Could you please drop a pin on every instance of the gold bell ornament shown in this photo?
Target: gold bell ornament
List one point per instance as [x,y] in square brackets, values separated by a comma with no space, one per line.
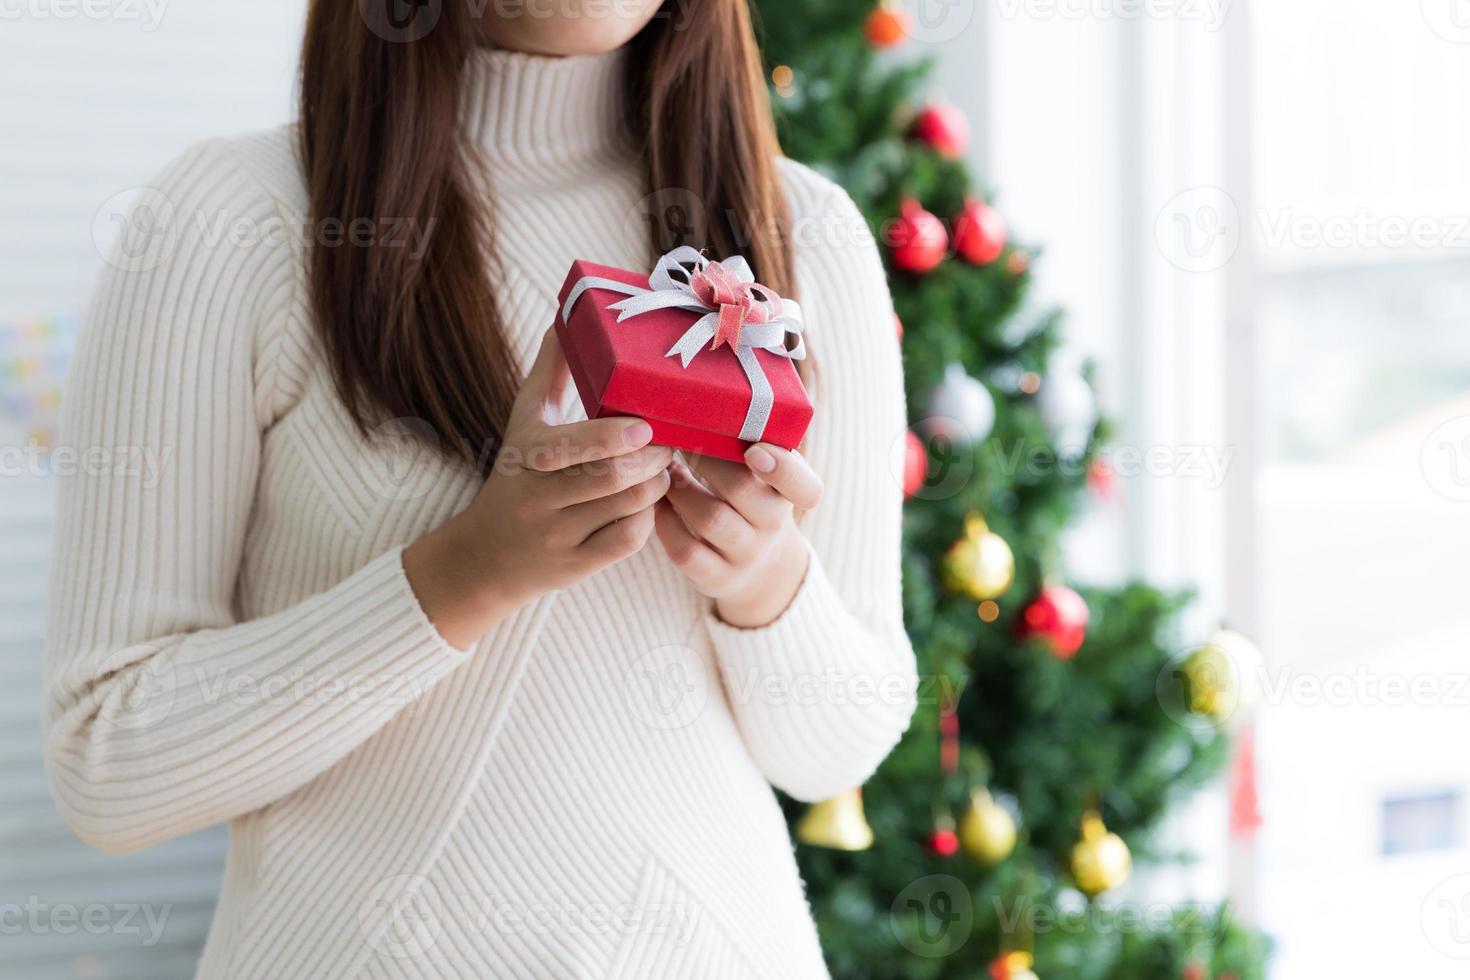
[1100,860]
[987,830]
[980,564]
[1012,966]
[837,823]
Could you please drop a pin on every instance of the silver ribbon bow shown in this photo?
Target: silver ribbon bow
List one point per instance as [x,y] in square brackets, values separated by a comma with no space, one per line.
[670,286]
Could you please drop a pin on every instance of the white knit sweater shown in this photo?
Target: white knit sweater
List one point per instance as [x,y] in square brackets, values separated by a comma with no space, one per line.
[587,792]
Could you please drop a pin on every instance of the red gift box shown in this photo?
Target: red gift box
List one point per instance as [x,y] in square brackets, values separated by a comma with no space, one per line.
[624,368]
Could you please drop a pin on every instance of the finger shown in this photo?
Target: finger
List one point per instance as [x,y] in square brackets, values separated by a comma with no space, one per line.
[602,478]
[545,387]
[787,472]
[743,490]
[701,563]
[555,447]
[587,519]
[618,540]
[716,522]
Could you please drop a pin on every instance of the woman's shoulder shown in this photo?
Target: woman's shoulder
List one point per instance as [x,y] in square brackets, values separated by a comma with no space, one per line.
[835,248]
[828,230]
[212,246]
[271,158]
[239,176]
[813,196]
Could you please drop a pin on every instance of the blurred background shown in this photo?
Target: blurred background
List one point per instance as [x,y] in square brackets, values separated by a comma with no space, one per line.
[1257,216]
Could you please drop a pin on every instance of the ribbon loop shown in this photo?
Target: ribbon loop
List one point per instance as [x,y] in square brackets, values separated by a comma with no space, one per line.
[738,312]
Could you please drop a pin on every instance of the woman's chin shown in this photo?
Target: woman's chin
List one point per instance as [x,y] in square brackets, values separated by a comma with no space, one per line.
[585,38]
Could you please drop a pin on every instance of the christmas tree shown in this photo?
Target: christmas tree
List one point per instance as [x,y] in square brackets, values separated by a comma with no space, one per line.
[1042,759]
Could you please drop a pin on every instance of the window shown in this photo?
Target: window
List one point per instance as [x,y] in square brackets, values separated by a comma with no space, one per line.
[1360,225]
[1421,823]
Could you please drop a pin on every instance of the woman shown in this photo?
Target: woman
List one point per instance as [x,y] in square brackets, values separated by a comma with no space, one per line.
[398,619]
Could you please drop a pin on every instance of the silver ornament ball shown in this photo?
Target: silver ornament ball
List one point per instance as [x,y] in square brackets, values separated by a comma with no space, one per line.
[960,408]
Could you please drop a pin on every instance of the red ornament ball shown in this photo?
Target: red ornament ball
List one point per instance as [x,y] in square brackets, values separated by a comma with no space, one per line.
[916,239]
[1101,480]
[944,842]
[979,233]
[1012,966]
[943,128]
[915,464]
[1057,617]
[886,26]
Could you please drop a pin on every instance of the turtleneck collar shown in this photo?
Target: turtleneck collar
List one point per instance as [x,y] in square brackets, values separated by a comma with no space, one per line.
[546,117]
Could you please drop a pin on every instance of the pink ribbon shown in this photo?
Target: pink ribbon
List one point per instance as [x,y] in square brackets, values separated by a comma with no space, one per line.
[738,302]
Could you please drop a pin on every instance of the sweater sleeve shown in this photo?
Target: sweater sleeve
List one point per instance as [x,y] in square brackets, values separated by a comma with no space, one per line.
[824,693]
[164,713]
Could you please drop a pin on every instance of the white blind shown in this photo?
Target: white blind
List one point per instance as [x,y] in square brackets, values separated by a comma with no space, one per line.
[95,105]
[99,95]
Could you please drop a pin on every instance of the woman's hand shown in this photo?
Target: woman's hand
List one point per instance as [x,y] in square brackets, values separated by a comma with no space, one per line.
[561,503]
[733,531]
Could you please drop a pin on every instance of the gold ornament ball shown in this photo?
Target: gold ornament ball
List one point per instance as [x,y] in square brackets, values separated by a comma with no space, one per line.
[980,564]
[1221,677]
[1100,860]
[987,831]
[1214,689]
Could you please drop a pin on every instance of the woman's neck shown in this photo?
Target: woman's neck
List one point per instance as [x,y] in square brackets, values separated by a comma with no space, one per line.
[539,118]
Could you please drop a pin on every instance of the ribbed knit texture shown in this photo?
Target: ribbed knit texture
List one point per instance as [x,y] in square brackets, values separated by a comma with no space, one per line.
[587,792]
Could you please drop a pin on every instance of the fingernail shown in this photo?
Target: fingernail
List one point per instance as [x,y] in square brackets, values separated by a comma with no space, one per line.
[760,460]
[637,434]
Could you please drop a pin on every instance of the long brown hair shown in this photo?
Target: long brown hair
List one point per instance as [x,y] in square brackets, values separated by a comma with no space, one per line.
[415,333]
